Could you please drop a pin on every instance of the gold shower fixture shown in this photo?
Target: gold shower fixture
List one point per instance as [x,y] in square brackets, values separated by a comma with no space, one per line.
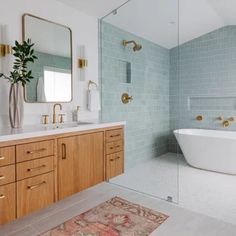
[136,47]
[126,98]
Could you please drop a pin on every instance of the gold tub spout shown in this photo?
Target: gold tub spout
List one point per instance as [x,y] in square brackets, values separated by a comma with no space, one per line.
[227,123]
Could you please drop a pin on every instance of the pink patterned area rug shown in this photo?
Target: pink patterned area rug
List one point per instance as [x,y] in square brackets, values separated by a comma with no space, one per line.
[116,217]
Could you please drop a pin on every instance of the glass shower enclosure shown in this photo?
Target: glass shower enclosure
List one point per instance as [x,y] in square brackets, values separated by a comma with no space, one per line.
[138,77]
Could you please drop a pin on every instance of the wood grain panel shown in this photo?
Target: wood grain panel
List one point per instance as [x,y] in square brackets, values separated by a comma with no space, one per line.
[114,135]
[114,165]
[7,203]
[26,152]
[113,147]
[34,193]
[90,163]
[32,168]
[7,156]
[7,174]
[67,152]
[81,163]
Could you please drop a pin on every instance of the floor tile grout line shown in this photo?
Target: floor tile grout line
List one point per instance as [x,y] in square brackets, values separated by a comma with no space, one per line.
[42,218]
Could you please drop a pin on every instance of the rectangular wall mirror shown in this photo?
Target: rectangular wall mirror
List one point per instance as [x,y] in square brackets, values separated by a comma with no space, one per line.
[52,71]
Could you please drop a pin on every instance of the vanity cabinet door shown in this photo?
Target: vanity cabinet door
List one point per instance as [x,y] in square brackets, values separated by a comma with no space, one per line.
[81,163]
[115,165]
[67,154]
[91,160]
[7,203]
[34,194]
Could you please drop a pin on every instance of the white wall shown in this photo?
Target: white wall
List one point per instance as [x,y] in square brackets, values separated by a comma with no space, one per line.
[85,32]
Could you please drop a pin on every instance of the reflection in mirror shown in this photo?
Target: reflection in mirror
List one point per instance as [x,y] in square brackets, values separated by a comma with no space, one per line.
[53,70]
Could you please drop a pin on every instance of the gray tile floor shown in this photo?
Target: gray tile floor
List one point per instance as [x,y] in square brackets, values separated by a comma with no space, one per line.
[181,222]
[205,192]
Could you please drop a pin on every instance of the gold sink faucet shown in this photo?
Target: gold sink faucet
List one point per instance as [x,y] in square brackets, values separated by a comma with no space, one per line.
[54,119]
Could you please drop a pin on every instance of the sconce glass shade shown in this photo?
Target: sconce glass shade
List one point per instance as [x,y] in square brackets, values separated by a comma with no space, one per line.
[5,50]
[83,63]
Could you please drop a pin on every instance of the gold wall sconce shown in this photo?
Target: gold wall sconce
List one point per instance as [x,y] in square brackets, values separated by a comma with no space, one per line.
[125,98]
[199,118]
[82,63]
[5,50]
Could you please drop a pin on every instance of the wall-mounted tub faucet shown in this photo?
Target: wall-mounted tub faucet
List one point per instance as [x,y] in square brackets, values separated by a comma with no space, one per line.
[226,122]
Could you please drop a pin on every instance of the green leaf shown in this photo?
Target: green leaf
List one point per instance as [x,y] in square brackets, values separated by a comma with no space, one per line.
[24,54]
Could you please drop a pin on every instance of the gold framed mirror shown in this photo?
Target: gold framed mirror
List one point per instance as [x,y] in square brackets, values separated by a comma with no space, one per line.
[52,71]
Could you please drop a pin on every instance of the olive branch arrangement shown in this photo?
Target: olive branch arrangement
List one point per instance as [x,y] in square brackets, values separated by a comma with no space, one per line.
[23,53]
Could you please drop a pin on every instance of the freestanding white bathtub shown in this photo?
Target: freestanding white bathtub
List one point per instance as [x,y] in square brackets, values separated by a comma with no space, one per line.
[209,149]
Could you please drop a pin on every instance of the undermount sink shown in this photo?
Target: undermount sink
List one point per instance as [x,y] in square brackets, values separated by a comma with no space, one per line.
[71,125]
[84,123]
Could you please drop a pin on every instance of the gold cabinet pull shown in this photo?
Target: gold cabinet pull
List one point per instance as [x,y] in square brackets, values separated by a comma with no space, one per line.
[36,168]
[63,151]
[116,158]
[113,136]
[36,151]
[111,148]
[2,158]
[36,185]
[2,177]
[2,196]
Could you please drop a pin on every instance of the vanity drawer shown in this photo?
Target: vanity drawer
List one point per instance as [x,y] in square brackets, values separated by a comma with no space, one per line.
[34,193]
[7,156]
[7,203]
[113,147]
[114,135]
[26,152]
[32,168]
[114,165]
[7,174]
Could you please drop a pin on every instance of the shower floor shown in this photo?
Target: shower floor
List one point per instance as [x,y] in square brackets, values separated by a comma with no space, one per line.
[206,192]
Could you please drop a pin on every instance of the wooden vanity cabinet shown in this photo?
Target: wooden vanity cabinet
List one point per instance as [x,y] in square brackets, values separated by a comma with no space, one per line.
[114,153]
[7,185]
[81,163]
[35,173]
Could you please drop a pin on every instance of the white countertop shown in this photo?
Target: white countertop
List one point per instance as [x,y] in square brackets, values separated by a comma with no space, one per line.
[8,134]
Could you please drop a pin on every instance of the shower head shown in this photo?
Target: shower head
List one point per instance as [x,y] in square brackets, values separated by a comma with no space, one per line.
[136,47]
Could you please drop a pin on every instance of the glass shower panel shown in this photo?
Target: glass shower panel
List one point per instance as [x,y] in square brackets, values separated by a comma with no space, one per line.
[137,41]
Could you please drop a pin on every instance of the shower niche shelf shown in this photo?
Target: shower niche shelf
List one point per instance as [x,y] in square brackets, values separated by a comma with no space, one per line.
[212,103]
[124,71]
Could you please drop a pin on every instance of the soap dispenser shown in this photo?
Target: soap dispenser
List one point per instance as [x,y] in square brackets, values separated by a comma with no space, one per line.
[77,113]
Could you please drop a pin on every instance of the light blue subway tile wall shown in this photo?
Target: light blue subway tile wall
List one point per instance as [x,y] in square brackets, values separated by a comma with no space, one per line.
[147,116]
[203,81]
[37,68]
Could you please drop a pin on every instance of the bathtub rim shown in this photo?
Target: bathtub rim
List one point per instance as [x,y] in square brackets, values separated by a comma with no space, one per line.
[207,133]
